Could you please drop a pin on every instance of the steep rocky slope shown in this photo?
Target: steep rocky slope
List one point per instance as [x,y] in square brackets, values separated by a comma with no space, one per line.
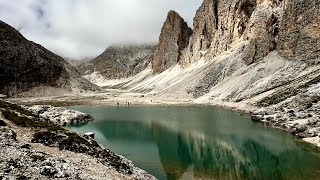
[77,62]
[257,46]
[245,54]
[299,34]
[173,39]
[27,66]
[118,61]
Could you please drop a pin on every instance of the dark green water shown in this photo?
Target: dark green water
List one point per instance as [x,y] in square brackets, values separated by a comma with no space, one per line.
[173,142]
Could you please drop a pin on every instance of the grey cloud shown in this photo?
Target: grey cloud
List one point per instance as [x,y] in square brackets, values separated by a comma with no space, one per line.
[82,28]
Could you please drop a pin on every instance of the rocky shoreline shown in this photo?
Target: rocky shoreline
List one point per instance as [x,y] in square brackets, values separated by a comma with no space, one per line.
[33,148]
[59,115]
[298,115]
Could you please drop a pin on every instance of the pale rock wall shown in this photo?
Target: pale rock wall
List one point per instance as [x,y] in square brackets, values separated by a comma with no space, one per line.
[173,39]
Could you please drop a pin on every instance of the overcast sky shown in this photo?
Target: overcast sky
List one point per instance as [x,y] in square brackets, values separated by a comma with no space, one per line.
[84,28]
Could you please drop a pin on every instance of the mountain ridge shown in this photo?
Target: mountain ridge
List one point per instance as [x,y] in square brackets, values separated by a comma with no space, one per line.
[25,66]
[119,61]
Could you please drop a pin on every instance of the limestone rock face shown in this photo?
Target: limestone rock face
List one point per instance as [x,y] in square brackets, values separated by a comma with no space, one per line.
[25,65]
[120,61]
[219,24]
[299,36]
[205,25]
[292,27]
[174,38]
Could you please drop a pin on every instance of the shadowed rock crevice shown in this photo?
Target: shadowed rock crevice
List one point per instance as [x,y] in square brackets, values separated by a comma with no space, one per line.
[216,15]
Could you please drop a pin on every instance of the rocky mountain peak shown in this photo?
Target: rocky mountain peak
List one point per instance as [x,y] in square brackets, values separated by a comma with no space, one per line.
[174,38]
[8,33]
[221,24]
[119,61]
[25,66]
[205,22]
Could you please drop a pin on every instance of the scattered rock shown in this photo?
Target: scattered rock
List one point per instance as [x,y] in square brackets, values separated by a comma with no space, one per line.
[256,118]
[60,115]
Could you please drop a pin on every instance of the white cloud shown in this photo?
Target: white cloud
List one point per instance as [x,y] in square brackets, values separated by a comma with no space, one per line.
[80,28]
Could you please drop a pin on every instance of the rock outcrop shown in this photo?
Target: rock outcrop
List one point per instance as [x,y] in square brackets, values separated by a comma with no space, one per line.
[299,34]
[33,148]
[25,65]
[219,24]
[60,115]
[119,61]
[174,38]
[262,26]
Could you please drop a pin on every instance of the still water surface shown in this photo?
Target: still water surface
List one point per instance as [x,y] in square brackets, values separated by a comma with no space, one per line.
[199,142]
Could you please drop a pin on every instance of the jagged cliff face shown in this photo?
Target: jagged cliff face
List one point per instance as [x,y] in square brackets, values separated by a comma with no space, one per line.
[25,65]
[219,24]
[120,61]
[299,36]
[239,50]
[174,38]
[246,31]
[258,26]
[205,26]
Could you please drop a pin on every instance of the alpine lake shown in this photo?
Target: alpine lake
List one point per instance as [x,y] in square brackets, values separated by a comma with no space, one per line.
[200,142]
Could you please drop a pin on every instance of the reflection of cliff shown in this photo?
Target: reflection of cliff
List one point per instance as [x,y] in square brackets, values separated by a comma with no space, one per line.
[130,130]
[223,156]
[226,158]
[174,153]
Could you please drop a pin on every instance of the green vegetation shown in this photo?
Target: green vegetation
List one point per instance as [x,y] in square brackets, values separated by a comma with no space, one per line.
[75,143]
[55,136]
[15,107]
[46,138]
[37,158]
[24,118]
[33,122]
[2,123]
[65,141]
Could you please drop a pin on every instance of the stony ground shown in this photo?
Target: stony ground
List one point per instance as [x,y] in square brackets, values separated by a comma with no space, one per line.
[36,149]
[59,115]
[299,115]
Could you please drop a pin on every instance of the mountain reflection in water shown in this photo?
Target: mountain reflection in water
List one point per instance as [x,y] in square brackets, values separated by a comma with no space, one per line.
[201,143]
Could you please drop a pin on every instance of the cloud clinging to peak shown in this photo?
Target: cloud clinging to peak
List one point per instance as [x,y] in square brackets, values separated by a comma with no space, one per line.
[84,28]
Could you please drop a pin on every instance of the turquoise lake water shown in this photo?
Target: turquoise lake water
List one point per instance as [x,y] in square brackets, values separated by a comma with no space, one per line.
[200,142]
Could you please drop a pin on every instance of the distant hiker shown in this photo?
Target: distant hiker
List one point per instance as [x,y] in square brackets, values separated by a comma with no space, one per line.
[151,100]
[117,103]
[128,103]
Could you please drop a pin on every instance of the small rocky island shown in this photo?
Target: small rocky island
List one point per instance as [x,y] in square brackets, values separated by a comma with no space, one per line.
[34,146]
